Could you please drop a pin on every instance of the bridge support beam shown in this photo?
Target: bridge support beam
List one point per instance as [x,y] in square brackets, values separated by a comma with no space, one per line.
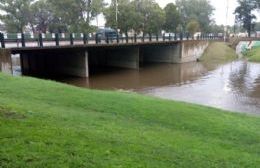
[5,61]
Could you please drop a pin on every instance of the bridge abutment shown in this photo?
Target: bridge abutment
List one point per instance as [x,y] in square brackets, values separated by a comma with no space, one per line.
[5,61]
[191,51]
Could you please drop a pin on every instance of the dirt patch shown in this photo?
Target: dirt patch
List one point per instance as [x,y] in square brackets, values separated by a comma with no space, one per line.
[8,114]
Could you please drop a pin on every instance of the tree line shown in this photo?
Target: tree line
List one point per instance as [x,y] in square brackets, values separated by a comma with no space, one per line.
[76,15]
[61,16]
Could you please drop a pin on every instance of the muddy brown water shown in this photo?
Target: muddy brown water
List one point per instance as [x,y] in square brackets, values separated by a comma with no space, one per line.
[234,86]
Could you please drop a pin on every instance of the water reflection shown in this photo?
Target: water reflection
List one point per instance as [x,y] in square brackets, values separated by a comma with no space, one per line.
[152,75]
[234,86]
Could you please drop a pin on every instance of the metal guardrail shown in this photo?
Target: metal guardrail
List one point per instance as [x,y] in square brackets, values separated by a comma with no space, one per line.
[55,39]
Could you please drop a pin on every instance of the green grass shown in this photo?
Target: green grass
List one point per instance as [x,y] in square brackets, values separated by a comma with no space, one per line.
[47,124]
[253,55]
[218,53]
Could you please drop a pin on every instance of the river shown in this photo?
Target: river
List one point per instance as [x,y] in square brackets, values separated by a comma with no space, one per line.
[234,86]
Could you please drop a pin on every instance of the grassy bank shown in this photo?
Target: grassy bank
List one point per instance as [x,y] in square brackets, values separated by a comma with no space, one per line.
[253,55]
[47,124]
[218,53]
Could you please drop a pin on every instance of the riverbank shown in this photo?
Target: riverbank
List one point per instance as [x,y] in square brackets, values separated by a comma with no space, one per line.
[218,52]
[253,55]
[48,124]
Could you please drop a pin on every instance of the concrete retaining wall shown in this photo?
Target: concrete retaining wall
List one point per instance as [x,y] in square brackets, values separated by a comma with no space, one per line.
[5,61]
[192,50]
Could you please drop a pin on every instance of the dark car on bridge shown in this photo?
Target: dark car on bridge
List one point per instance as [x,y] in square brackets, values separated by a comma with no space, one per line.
[106,34]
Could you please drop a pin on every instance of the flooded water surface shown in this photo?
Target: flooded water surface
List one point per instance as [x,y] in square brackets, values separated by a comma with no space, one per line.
[233,86]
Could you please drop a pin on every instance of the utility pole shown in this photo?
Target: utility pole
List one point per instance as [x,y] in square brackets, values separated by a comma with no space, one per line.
[226,27]
[116,12]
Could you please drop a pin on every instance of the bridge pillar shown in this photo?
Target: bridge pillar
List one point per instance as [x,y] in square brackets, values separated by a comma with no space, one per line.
[5,61]
[75,64]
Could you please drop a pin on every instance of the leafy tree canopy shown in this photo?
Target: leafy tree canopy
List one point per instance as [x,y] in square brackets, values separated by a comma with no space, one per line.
[244,14]
[200,10]
[172,18]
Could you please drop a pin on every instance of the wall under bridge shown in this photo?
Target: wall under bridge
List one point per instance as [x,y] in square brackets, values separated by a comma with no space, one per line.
[5,61]
[83,60]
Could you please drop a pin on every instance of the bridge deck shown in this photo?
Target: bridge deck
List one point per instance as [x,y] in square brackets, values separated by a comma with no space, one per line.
[15,50]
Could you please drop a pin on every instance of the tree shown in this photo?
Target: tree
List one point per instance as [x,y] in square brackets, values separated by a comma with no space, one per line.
[172,18]
[17,14]
[42,16]
[200,10]
[140,15]
[151,16]
[193,26]
[244,14]
[50,15]
[257,2]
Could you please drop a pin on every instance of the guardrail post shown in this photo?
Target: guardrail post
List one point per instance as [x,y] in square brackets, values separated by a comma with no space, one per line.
[96,38]
[57,39]
[126,37]
[143,37]
[157,37]
[107,39]
[150,37]
[40,40]
[117,38]
[170,37]
[135,39]
[71,39]
[85,39]
[163,36]
[23,40]
[175,36]
[181,36]
[2,39]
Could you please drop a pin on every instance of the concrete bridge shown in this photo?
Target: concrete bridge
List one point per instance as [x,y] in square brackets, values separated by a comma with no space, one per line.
[81,59]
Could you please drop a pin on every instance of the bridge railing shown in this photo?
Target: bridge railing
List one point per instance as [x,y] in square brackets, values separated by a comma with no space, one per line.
[64,39]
